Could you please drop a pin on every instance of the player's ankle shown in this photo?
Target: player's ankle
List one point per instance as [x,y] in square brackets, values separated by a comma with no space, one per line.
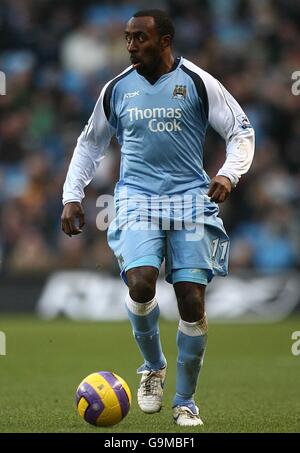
[182,400]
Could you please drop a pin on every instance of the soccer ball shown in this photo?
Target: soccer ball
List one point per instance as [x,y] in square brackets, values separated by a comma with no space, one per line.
[103,398]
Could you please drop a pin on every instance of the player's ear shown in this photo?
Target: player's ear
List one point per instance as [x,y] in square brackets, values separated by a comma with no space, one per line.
[165,41]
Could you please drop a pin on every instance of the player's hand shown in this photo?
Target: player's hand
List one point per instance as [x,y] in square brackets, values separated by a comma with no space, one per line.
[219,189]
[71,212]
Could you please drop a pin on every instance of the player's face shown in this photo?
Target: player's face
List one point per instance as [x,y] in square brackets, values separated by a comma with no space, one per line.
[143,44]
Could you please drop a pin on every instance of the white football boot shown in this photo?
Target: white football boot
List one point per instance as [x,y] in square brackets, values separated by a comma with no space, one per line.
[150,391]
[187,415]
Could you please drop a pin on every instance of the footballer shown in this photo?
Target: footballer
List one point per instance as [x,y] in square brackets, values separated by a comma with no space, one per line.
[159,108]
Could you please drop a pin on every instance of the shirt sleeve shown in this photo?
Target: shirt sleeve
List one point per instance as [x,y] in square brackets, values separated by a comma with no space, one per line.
[229,120]
[90,149]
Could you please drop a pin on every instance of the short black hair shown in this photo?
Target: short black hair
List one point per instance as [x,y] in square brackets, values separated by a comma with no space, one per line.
[163,22]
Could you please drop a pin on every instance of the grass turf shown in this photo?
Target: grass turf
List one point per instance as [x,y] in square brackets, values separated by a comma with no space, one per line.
[249,382]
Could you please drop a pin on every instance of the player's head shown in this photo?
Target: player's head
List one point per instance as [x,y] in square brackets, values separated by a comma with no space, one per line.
[149,34]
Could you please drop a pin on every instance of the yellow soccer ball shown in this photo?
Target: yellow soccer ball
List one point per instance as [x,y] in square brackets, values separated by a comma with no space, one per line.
[103,398]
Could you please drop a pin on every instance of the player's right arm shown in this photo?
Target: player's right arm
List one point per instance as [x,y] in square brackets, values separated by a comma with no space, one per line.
[90,149]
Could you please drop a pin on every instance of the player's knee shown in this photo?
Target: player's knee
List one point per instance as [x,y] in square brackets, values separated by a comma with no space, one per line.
[142,283]
[192,312]
[142,291]
[191,303]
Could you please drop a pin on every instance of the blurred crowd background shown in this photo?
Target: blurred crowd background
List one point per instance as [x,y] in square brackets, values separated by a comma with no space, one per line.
[57,55]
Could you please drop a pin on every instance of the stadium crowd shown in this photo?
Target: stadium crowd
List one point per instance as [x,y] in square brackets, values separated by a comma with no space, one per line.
[57,55]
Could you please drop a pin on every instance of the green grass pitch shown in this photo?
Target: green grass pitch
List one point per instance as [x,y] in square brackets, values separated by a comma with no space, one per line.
[250,381]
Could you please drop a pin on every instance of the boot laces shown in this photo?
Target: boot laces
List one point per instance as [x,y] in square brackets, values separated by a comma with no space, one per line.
[150,383]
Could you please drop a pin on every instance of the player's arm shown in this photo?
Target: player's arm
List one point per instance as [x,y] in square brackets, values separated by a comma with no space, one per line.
[229,120]
[90,149]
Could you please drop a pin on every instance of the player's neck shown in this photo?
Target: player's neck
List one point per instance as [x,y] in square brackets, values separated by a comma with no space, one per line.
[166,64]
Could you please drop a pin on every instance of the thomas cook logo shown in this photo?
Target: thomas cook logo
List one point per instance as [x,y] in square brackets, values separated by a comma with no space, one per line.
[179,92]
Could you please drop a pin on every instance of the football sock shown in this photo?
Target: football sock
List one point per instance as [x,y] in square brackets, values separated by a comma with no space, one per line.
[144,322]
[191,343]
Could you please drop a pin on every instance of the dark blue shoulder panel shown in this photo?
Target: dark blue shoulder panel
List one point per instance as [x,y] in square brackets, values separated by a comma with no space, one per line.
[200,87]
[108,92]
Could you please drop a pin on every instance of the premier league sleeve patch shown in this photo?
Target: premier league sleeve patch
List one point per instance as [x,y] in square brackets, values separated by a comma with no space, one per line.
[243,121]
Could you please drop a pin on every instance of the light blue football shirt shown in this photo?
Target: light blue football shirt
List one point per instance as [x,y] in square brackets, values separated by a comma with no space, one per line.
[161,129]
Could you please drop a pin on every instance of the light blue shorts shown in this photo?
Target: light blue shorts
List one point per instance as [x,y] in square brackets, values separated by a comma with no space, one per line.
[185,260]
[177,275]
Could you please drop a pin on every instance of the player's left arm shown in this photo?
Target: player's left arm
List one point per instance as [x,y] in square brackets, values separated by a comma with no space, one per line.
[228,118]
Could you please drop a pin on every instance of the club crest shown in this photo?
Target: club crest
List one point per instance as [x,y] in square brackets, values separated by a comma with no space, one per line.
[179,92]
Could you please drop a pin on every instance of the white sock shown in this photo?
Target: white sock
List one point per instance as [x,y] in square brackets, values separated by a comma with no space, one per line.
[138,308]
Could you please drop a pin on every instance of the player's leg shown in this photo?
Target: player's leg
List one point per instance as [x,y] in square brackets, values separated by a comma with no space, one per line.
[139,249]
[191,343]
[194,257]
[143,312]
[183,270]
